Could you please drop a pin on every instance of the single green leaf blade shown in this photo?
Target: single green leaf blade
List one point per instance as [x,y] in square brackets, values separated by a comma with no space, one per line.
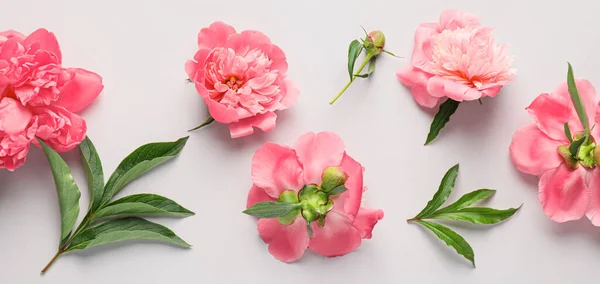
[568,132]
[477,215]
[143,204]
[574,147]
[206,122]
[577,102]
[372,65]
[451,239]
[337,190]
[353,52]
[118,230]
[93,170]
[270,209]
[139,162]
[67,190]
[447,109]
[442,194]
[467,200]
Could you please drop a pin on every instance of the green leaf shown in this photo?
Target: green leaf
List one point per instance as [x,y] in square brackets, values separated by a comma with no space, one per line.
[361,75]
[93,170]
[67,190]
[574,147]
[143,204]
[568,132]
[442,194]
[353,52]
[451,238]
[139,162]
[270,209]
[117,230]
[576,99]
[338,190]
[447,109]
[467,200]
[390,53]
[371,65]
[208,121]
[477,215]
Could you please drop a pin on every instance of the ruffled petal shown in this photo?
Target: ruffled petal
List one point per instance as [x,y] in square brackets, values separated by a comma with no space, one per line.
[286,242]
[440,87]
[349,201]
[215,35]
[417,80]
[318,152]
[276,168]
[533,152]
[79,92]
[564,194]
[550,112]
[14,117]
[366,220]
[47,41]
[423,50]
[244,127]
[338,237]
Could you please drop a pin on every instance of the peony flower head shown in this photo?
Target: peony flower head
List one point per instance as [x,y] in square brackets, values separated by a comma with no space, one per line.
[242,78]
[39,96]
[456,58]
[327,220]
[569,185]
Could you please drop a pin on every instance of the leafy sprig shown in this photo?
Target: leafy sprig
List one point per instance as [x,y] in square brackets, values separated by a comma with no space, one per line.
[461,210]
[109,221]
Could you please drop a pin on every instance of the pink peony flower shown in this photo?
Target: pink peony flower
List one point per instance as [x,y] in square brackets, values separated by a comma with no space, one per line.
[456,58]
[289,173]
[47,94]
[569,187]
[242,78]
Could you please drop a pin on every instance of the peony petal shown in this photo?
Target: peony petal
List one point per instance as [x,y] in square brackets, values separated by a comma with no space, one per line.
[564,194]
[593,212]
[366,219]
[533,152]
[250,39]
[587,92]
[286,242]
[276,168]
[47,42]
[425,36]
[338,237]
[244,127]
[317,152]
[257,195]
[349,201]
[455,19]
[215,35]
[417,80]
[14,117]
[290,94]
[550,113]
[279,61]
[83,88]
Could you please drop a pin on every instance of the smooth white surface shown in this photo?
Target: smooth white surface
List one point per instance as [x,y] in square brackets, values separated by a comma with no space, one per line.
[139,48]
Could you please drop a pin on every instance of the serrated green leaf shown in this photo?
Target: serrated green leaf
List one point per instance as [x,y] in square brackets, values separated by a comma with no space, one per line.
[440,119]
[338,190]
[442,194]
[477,215]
[93,170]
[451,239]
[67,190]
[143,204]
[139,162]
[353,52]
[576,99]
[130,228]
[270,209]
[574,147]
[568,132]
[467,200]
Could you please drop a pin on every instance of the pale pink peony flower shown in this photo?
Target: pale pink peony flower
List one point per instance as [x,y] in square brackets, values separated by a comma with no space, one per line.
[277,168]
[567,191]
[456,58]
[242,78]
[47,93]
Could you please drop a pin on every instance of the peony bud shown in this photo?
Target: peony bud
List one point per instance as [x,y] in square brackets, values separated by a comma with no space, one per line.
[378,39]
[332,178]
[564,152]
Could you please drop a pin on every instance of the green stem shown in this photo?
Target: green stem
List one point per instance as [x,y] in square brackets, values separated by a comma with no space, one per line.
[413,219]
[58,253]
[362,66]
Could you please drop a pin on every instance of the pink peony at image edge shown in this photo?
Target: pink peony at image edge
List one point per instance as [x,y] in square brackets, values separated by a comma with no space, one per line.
[242,78]
[277,168]
[39,97]
[456,58]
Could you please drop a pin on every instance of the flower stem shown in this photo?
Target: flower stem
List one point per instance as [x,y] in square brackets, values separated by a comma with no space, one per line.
[58,253]
[413,219]
[362,66]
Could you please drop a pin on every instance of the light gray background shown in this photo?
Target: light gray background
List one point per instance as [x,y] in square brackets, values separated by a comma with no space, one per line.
[139,48]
